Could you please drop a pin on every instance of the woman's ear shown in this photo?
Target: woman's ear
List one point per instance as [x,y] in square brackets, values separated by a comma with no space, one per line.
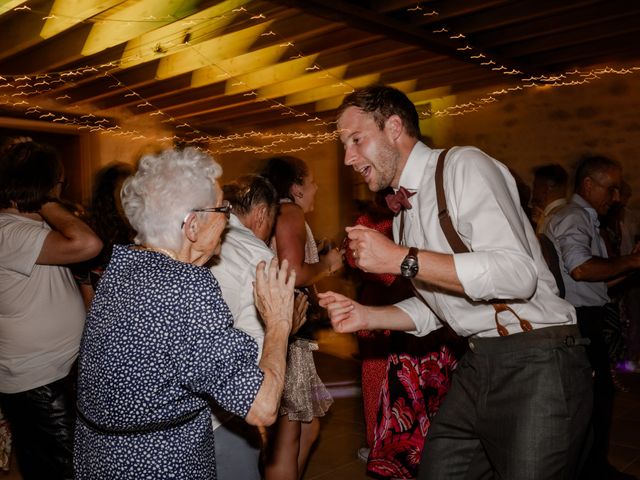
[296,190]
[190,227]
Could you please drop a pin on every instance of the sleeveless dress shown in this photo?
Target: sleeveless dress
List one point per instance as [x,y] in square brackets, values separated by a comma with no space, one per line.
[304,395]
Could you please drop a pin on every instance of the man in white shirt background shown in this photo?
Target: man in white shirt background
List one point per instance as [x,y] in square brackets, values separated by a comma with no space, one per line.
[254,205]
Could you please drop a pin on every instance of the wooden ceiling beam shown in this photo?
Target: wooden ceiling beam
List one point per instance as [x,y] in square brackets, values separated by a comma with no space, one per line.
[571,37]
[586,16]
[587,54]
[166,97]
[510,13]
[375,23]
[20,31]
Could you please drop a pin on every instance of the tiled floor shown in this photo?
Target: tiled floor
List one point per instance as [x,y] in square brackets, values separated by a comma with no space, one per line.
[342,430]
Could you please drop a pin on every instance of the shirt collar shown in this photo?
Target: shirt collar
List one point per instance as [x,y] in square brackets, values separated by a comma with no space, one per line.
[414,169]
[577,199]
[235,222]
[558,202]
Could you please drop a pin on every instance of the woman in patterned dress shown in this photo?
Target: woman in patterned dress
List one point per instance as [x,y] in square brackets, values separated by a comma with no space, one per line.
[417,372]
[159,342]
[305,397]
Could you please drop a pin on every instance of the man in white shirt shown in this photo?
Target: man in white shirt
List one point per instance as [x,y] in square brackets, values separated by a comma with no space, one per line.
[254,205]
[519,404]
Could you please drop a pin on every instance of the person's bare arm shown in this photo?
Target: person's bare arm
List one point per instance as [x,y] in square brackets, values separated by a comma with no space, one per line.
[273,295]
[348,316]
[598,269]
[376,253]
[70,240]
[291,236]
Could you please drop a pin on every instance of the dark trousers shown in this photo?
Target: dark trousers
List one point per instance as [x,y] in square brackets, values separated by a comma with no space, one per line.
[42,422]
[591,323]
[518,408]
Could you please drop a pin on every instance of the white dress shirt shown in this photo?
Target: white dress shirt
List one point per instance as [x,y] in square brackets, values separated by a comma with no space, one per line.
[235,270]
[505,261]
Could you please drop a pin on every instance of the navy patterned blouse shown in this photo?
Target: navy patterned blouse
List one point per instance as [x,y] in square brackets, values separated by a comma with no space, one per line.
[158,343]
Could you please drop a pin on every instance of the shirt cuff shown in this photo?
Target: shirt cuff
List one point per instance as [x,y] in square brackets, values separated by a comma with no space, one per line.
[473,272]
[421,316]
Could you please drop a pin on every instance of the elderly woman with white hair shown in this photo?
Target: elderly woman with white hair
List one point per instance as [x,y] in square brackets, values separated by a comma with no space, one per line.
[159,342]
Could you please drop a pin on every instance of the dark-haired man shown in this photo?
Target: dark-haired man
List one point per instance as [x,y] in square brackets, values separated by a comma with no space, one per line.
[517,403]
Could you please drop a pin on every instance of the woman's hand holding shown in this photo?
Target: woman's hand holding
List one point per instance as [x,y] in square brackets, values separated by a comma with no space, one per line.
[273,293]
[333,260]
[300,306]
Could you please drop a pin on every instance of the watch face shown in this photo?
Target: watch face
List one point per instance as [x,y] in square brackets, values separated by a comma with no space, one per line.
[409,267]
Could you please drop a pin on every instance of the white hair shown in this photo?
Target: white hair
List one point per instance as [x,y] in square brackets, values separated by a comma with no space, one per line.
[166,187]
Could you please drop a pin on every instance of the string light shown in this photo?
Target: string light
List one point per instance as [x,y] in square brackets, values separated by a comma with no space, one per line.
[31,86]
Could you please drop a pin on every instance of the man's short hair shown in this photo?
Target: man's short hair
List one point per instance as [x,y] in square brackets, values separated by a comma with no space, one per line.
[553,175]
[384,102]
[249,191]
[592,165]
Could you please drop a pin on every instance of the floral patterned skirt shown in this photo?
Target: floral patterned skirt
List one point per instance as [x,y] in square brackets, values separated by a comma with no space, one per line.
[412,392]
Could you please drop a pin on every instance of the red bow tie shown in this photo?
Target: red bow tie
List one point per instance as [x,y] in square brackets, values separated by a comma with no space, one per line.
[399,200]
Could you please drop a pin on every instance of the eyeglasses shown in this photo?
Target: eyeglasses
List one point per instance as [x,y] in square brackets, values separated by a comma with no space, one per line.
[225,208]
[611,189]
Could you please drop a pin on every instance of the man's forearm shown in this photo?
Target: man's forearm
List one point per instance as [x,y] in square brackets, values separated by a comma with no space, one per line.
[389,318]
[599,269]
[70,241]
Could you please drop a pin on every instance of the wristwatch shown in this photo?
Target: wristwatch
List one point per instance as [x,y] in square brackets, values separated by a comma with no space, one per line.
[409,266]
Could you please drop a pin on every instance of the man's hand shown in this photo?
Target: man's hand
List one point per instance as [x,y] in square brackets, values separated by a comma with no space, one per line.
[373,251]
[346,315]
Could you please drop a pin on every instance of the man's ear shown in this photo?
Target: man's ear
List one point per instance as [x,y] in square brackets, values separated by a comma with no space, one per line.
[261,213]
[190,227]
[394,126]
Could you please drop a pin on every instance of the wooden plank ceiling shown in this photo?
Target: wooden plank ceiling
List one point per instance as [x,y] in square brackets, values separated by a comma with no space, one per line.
[205,71]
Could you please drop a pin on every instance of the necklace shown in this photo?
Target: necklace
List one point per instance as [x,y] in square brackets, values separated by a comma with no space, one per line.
[164,251]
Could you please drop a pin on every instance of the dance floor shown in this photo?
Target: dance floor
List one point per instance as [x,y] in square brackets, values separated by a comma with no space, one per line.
[342,430]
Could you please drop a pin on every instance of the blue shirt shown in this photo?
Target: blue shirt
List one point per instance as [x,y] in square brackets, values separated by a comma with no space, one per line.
[574,231]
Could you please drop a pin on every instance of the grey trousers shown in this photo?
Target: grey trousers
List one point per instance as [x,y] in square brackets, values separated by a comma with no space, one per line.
[237,446]
[518,408]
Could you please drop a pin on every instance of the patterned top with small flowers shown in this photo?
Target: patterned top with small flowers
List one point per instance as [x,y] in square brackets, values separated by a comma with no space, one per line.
[159,343]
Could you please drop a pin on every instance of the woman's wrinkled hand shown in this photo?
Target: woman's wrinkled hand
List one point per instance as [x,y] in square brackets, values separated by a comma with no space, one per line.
[273,293]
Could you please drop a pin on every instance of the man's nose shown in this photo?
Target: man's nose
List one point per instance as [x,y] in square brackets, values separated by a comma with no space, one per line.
[350,156]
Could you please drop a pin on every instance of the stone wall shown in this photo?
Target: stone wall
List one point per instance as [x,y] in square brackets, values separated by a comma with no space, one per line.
[556,124]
